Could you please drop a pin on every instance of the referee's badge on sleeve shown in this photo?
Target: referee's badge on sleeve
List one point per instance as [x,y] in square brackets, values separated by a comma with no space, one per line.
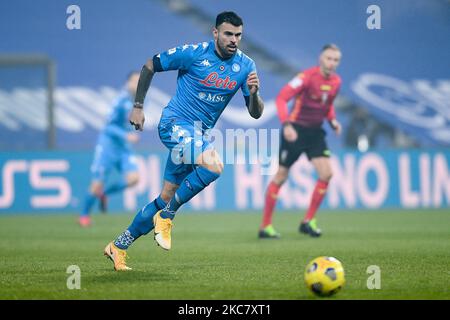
[295,83]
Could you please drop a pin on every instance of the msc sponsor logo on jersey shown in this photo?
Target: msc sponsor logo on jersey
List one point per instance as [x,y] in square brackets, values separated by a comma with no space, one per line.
[213,80]
[211,97]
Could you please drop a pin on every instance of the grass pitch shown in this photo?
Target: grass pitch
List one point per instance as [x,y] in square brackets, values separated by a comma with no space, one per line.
[218,256]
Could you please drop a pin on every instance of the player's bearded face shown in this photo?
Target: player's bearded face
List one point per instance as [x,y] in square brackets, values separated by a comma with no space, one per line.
[329,60]
[227,38]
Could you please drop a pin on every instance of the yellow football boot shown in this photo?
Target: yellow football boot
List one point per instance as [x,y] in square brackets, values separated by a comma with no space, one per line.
[117,256]
[163,227]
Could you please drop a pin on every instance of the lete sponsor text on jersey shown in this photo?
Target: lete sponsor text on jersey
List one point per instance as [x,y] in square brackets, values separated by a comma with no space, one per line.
[213,79]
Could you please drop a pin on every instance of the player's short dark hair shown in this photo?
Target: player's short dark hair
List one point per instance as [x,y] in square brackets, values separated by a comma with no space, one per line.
[331,46]
[230,17]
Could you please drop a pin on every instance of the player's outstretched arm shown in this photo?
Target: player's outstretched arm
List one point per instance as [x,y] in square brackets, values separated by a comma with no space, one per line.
[137,117]
[255,104]
[336,126]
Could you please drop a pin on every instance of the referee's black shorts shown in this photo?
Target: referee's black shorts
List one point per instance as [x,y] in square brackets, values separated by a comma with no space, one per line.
[309,140]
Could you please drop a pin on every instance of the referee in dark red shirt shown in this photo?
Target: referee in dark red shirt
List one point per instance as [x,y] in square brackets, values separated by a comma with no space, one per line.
[313,91]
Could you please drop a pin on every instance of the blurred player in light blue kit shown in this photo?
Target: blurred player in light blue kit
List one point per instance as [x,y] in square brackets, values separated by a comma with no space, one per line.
[209,74]
[113,151]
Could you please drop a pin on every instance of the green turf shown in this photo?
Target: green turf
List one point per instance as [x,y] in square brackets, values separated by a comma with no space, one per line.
[218,256]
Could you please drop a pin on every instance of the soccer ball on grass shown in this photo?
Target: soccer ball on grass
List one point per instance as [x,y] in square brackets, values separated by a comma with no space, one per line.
[324,276]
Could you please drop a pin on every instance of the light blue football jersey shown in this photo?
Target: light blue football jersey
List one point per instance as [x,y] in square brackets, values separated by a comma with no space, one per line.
[114,134]
[206,82]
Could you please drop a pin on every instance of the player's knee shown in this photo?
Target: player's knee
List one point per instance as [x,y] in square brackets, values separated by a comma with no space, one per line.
[132,179]
[281,176]
[217,167]
[211,161]
[326,176]
[96,189]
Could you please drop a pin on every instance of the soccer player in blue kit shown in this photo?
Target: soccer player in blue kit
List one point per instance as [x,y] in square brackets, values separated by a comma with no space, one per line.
[113,150]
[209,74]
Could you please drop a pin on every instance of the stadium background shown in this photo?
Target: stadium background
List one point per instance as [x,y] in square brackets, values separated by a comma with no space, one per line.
[387,206]
[394,103]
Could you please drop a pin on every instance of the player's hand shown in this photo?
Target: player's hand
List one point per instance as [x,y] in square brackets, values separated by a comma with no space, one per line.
[336,126]
[253,82]
[137,118]
[289,132]
[132,137]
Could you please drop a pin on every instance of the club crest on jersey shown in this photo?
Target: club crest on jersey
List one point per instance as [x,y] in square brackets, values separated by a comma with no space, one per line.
[236,67]
[213,80]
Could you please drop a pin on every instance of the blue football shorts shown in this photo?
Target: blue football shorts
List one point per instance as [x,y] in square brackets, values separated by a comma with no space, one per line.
[185,142]
[106,159]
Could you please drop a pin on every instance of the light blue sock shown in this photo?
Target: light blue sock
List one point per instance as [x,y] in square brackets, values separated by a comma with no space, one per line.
[141,225]
[195,182]
[88,203]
